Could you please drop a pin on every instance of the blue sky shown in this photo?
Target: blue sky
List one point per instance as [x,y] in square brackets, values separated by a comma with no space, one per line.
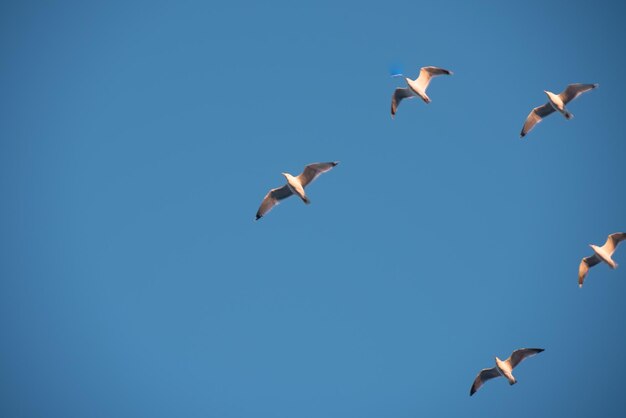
[137,140]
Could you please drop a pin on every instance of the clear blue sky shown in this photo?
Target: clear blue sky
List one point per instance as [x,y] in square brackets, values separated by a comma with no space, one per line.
[137,140]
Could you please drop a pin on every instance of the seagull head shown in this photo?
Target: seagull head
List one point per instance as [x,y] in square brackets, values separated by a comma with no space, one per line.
[286,175]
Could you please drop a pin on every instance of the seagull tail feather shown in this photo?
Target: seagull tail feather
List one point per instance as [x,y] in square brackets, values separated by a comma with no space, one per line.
[568,115]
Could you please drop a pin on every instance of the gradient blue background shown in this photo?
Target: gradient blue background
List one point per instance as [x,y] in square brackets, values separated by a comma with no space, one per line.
[137,140]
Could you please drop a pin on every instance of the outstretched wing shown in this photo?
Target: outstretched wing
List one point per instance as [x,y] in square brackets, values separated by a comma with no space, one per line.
[584,266]
[426,73]
[574,90]
[483,376]
[272,199]
[535,116]
[612,241]
[518,355]
[311,172]
[397,97]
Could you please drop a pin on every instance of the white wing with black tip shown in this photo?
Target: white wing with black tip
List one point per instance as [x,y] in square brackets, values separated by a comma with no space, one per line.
[312,171]
[518,355]
[585,264]
[574,90]
[398,95]
[483,376]
[535,116]
[272,199]
[427,73]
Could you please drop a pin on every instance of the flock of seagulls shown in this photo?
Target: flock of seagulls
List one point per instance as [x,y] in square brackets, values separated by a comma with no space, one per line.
[417,88]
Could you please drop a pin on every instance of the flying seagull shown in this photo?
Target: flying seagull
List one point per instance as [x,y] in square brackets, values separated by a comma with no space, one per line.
[416,87]
[603,253]
[555,102]
[504,368]
[295,185]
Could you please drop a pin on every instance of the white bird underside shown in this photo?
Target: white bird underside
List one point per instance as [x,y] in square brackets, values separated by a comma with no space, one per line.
[508,365]
[607,249]
[416,87]
[308,175]
[537,114]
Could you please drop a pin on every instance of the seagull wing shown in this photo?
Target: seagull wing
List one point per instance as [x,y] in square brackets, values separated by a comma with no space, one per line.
[426,73]
[574,90]
[397,97]
[272,199]
[584,266]
[483,376]
[311,172]
[535,116]
[518,355]
[612,241]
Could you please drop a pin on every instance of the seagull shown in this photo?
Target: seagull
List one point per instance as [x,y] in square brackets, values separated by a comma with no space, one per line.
[555,102]
[603,253]
[504,368]
[416,87]
[295,185]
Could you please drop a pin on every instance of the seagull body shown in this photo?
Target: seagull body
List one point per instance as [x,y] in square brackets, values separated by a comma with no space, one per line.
[604,256]
[504,368]
[416,87]
[556,102]
[295,185]
[603,253]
